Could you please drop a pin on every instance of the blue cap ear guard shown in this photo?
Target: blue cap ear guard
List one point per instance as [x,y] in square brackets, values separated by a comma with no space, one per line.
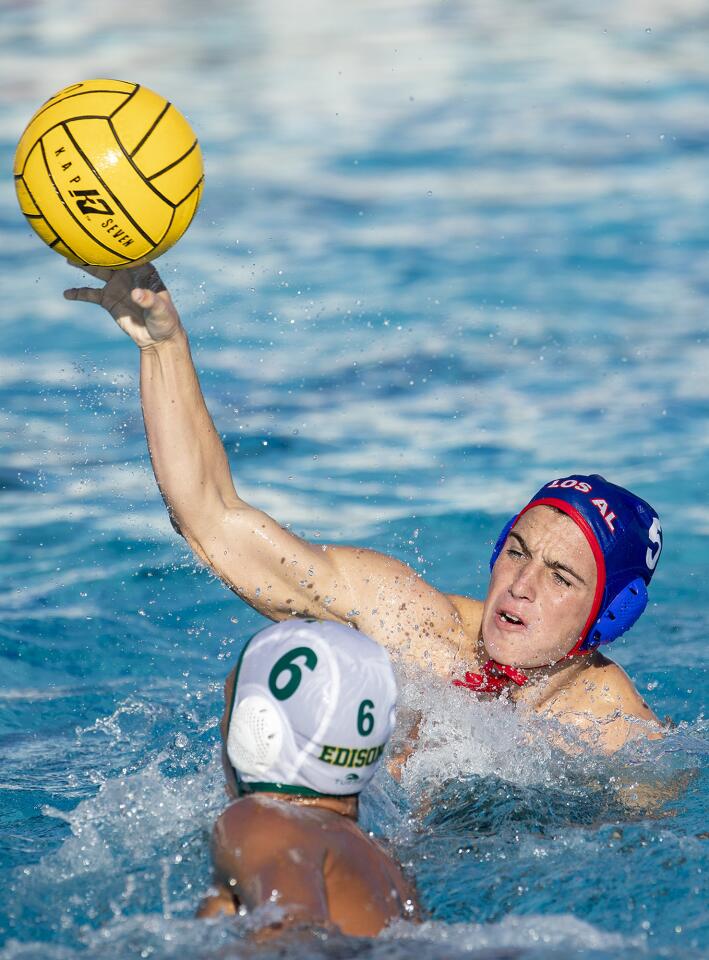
[619,616]
[628,534]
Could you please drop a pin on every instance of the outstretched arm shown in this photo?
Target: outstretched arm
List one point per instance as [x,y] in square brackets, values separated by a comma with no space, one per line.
[188,457]
[275,571]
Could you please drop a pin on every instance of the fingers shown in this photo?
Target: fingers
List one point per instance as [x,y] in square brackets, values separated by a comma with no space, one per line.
[101,273]
[87,294]
[144,298]
[144,276]
[155,283]
[153,303]
[147,278]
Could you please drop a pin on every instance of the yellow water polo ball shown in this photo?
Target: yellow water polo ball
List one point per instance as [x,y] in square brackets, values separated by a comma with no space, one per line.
[109,173]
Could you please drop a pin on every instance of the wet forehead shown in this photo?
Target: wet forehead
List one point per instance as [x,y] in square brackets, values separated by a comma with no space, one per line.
[557,538]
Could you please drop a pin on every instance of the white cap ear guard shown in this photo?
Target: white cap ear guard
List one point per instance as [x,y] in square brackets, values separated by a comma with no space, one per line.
[313,707]
[255,736]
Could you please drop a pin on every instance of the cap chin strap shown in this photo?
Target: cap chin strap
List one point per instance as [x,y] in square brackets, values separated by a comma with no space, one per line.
[494,678]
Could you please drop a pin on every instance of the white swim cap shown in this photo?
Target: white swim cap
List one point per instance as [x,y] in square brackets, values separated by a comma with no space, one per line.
[313,707]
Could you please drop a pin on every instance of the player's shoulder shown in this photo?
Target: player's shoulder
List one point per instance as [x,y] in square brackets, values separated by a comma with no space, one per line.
[469,614]
[469,610]
[253,816]
[606,685]
[604,706]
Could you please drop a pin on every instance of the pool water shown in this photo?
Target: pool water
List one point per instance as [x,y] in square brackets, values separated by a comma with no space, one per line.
[446,252]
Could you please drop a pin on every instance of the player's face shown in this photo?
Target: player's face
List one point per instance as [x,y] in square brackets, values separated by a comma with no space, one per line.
[541,591]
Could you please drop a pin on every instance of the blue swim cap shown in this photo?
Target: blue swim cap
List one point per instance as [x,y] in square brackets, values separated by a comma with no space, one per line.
[625,536]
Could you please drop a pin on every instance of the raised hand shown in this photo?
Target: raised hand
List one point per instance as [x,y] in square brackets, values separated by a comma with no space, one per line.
[136,298]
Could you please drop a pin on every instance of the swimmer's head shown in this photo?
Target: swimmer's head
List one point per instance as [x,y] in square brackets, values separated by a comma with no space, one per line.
[570,571]
[312,708]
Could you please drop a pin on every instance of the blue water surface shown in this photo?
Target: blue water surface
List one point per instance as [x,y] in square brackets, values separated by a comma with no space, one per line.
[446,252]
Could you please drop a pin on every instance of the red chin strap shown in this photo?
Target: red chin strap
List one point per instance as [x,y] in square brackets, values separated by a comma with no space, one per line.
[494,678]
